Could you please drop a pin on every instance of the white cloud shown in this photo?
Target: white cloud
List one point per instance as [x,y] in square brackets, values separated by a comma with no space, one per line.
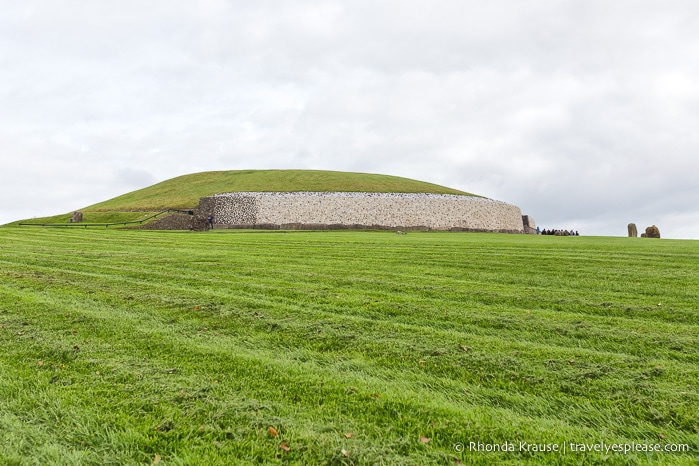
[582,112]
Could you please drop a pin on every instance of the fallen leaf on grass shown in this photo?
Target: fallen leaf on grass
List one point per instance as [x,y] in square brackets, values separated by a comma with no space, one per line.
[41,363]
[157,459]
[465,348]
[20,333]
[424,439]
[345,453]
[348,435]
[272,431]
[284,446]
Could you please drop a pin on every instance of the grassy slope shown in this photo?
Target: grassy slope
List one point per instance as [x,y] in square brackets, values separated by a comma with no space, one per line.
[120,347]
[90,217]
[184,192]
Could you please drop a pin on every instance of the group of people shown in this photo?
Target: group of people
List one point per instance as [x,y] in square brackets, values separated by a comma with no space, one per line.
[557,232]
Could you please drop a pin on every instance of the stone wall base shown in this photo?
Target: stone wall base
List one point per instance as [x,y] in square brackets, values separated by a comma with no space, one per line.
[319,226]
[362,211]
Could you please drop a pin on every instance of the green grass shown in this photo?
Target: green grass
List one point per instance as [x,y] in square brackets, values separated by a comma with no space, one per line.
[128,347]
[90,217]
[184,192]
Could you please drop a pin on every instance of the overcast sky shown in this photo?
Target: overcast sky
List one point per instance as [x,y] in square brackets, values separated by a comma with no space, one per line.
[584,113]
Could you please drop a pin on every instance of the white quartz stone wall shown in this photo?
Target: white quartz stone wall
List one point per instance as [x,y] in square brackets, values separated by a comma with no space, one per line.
[387,210]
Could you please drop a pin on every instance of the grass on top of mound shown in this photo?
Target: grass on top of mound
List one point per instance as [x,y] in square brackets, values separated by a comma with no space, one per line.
[184,192]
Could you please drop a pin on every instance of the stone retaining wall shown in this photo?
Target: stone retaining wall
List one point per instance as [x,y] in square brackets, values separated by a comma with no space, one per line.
[310,210]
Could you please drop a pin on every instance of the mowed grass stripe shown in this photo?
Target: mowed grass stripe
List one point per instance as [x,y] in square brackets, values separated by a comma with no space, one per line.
[272,382]
[388,305]
[204,353]
[331,318]
[632,323]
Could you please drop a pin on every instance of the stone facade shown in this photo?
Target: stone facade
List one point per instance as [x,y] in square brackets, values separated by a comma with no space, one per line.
[337,210]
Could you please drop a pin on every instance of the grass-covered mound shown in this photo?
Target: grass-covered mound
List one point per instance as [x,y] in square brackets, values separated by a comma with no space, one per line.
[184,192]
[135,347]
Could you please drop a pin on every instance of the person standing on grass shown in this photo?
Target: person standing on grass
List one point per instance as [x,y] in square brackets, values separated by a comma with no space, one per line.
[210,218]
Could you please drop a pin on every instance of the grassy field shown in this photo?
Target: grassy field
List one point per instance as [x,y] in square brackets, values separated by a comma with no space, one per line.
[236,347]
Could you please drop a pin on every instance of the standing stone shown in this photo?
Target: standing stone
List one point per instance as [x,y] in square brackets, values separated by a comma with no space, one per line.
[652,232]
[633,231]
[77,217]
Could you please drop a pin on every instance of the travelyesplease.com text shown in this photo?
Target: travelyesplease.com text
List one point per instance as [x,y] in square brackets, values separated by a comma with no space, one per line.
[572,447]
